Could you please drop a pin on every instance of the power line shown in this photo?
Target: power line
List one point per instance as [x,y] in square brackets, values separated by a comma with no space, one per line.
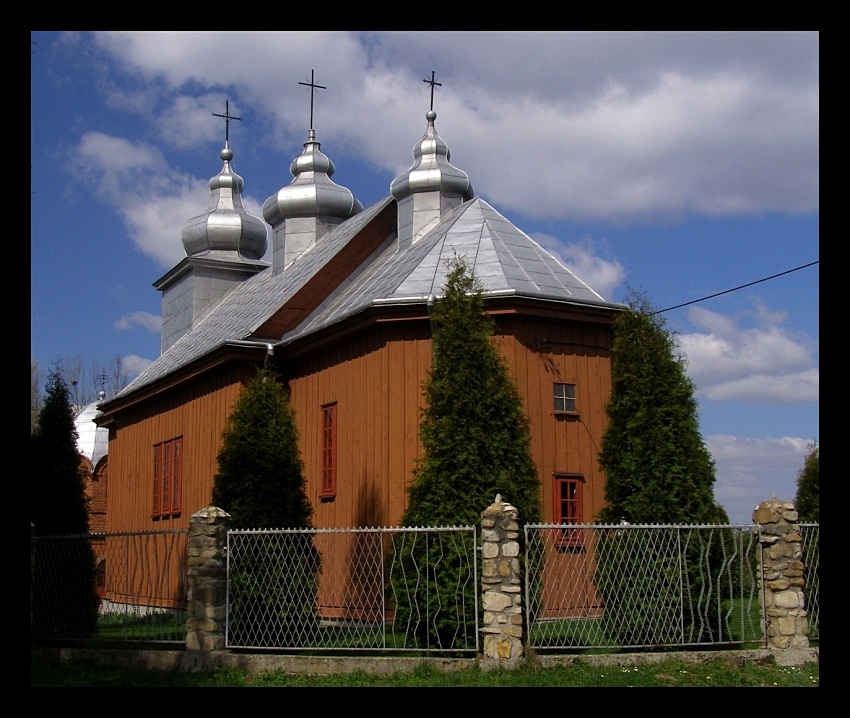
[743,286]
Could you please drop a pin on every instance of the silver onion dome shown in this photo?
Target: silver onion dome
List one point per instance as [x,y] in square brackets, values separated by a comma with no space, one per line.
[225,226]
[432,170]
[312,192]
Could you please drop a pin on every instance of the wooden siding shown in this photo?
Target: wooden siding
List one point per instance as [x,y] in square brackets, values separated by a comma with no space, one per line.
[376,382]
[197,412]
[376,379]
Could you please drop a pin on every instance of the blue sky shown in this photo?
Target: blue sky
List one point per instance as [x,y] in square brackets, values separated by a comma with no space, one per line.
[683,164]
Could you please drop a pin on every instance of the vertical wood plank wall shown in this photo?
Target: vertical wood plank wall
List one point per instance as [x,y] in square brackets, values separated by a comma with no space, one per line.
[198,413]
[377,381]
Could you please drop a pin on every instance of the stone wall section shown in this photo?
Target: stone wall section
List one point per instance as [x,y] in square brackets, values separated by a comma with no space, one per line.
[207,575]
[782,568]
[501,585]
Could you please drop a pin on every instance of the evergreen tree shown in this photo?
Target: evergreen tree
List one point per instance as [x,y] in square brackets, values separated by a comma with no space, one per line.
[476,444]
[808,486]
[474,431]
[65,603]
[260,482]
[260,479]
[657,471]
[657,467]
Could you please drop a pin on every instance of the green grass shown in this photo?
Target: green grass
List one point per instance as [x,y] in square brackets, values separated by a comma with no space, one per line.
[671,673]
[156,626]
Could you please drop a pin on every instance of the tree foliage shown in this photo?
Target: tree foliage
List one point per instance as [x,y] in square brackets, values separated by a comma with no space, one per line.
[65,603]
[657,471]
[476,444]
[59,503]
[84,380]
[657,467]
[474,431]
[807,500]
[260,482]
[260,479]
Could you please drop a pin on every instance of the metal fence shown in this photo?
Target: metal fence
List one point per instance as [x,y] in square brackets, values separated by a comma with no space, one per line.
[811,561]
[399,589]
[114,586]
[613,586]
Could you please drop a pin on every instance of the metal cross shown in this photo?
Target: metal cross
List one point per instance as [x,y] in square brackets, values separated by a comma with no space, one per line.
[432,82]
[227,118]
[313,87]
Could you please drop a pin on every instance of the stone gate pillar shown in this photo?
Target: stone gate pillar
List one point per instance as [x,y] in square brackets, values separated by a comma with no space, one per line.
[501,583]
[207,574]
[781,568]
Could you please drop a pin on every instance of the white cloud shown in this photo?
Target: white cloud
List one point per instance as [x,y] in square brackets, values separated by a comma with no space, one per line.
[766,362]
[134,365]
[575,125]
[584,261]
[146,320]
[154,199]
[752,470]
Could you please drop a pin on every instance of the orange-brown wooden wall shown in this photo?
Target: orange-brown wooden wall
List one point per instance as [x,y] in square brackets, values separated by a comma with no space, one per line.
[196,412]
[376,379]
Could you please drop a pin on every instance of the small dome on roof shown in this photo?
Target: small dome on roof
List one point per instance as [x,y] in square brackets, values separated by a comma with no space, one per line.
[431,170]
[225,226]
[92,440]
[312,192]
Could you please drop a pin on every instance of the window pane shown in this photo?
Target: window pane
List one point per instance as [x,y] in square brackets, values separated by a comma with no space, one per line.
[565,397]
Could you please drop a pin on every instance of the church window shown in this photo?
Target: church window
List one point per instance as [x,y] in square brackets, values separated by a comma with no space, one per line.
[328,450]
[167,478]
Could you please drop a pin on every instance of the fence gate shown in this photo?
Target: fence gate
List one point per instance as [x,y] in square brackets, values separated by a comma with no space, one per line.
[399,589]
[611,586]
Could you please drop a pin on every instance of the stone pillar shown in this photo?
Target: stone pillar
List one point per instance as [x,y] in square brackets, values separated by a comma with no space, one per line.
[781,568]
[207,574]
[501,583]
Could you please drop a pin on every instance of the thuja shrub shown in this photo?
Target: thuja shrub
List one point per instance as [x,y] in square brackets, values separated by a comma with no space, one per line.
[260,482]
[65,603]
[476,444]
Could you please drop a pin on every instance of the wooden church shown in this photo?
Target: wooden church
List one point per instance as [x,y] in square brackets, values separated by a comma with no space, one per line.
[341,311]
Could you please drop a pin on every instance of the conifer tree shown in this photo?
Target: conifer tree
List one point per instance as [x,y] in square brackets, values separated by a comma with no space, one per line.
[65,604]
[657,471]
[260,482]
[808,486]
[476,444]
[260,479]
[474,431]
[657,467]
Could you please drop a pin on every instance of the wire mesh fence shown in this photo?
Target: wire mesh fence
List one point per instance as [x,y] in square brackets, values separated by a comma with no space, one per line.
[810,534]
[399,589]
[612,586]
[116,586]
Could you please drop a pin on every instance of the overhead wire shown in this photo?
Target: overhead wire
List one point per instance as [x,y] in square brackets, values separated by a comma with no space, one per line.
[735,289]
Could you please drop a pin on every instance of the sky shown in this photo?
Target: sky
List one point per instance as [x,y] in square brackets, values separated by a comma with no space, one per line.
[684,165]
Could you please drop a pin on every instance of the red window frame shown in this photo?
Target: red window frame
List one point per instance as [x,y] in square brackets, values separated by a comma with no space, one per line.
[567,506]
[328,451]
[167,478]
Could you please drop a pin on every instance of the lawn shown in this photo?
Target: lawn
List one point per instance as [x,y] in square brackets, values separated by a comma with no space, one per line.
[671,673]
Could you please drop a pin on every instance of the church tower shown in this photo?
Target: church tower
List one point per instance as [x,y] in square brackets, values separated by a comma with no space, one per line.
[224,246]
[311,205]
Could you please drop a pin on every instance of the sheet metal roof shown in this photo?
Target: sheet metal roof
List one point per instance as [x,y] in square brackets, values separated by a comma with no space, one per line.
[505,259]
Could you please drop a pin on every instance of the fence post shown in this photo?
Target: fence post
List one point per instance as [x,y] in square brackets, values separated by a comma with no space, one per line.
[781,569]
[207,575]
[500,583]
